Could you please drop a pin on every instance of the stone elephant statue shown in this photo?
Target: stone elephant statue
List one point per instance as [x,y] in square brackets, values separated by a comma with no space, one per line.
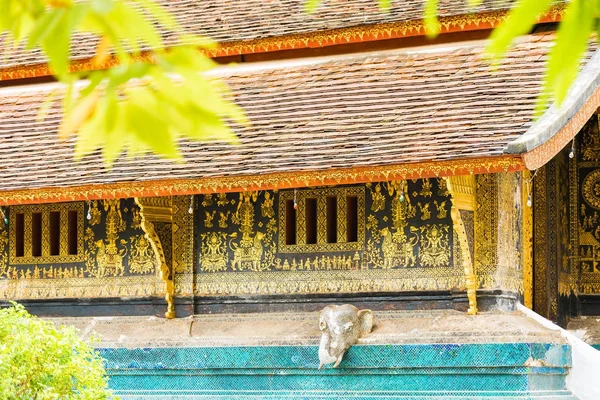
[341,326]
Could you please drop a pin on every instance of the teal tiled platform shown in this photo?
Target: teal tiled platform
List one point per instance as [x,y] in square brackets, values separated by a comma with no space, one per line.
[399,371]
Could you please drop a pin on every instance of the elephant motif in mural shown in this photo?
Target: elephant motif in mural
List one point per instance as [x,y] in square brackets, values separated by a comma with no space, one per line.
[109,259]
[248,252]
[341,327]
[397,249]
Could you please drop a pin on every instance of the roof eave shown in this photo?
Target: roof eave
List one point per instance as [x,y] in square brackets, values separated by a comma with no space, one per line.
[316,39]
[558,126]
[275,181]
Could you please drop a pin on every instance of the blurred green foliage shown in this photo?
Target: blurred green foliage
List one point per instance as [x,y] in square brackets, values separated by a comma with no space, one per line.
[42,362]
[140,105]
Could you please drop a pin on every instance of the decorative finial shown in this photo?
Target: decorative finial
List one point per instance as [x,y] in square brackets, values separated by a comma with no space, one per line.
[191,209]
[572,152]
[295,201]
[528,186]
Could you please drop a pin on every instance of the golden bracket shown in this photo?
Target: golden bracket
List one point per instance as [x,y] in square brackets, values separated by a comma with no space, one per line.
[462,189]
[159,210]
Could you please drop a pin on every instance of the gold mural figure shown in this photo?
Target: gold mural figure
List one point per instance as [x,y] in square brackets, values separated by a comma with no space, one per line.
[402,209]
[94,213]
[397,249]
[443,188]
[435,247]
[136,220]
[248,254]
[246,249]
[208,200]
[426,188]
[441,209]
[109,258]
[323,263]
[425,213]
[208,218]
[591,143]
[142,259]
[223,217]
[266,208]
[222,200]
[378,199]
[213,257]
[244,215]
[589,249]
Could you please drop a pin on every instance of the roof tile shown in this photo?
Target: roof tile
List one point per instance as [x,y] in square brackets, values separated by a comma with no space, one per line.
[341,112]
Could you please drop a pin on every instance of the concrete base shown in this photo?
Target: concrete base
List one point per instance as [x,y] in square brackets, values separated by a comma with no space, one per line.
[409,355]
[587,329]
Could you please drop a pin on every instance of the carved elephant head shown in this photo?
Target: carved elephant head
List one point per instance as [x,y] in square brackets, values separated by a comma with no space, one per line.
[341,326]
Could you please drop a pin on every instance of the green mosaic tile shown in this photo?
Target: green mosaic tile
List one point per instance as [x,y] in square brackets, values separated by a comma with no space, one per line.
[466,371]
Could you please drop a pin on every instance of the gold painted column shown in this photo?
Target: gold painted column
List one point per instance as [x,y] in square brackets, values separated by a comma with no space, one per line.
[527,240]
[157,223]
[462,190]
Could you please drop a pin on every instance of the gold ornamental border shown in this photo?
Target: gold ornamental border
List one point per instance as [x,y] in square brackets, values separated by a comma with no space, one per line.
[287,180]
[356,34]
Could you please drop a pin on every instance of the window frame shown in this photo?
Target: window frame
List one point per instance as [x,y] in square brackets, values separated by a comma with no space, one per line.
[321,195]
[45,210]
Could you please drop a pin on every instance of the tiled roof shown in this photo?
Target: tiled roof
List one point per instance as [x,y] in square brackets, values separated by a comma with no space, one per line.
[439,103]
[246,20]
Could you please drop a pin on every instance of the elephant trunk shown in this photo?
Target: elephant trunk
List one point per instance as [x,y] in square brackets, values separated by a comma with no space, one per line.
[324,356]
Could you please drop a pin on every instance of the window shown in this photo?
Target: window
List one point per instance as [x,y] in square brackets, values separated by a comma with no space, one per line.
[47,233]
[326,219]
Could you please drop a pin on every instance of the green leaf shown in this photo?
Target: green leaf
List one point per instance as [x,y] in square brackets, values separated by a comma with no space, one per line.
[46,105]
[102,6]
[572,39]
[385,5]
[474,3]
[44,27]
[56,40]
[146,122]
[160,14]
[432,25]
[520,20]
[310,6]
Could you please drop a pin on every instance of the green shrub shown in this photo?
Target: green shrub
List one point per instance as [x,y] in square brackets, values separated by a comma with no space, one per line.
[40,361]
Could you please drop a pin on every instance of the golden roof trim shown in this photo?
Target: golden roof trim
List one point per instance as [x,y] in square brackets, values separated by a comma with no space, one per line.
[356,34]
[542,154]
[285,180]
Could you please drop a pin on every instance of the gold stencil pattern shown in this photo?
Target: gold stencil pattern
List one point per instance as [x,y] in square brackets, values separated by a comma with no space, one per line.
[183,246]
[585,236]
[486,225]
[105,256]
[399,244]
[574,220]
[540,232]
[239,260]
[353,281]
[527,239]
[142,259]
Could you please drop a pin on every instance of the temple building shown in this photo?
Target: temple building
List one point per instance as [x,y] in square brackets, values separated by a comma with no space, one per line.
[380,169]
